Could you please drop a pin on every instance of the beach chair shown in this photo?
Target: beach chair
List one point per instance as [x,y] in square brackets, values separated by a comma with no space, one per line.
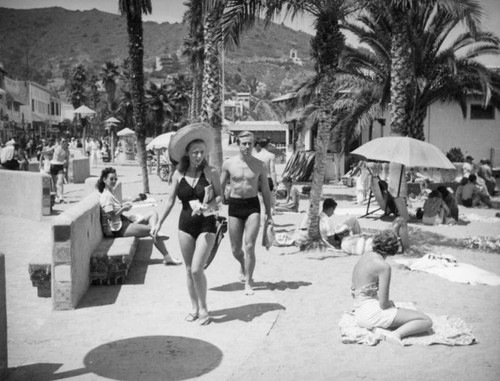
[386,201]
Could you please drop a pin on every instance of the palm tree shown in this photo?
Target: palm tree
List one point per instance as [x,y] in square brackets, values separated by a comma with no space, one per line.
[444,67]
[158,106]
[193,48]
[133,10]
[402,82]
[109,74]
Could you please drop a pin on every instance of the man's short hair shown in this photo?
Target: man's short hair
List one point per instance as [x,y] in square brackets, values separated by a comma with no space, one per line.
[472,178]
[244,134]
[329,203]
[263,142]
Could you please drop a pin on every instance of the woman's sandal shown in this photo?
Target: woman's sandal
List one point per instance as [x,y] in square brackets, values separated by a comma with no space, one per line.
[206,320]
[191,317]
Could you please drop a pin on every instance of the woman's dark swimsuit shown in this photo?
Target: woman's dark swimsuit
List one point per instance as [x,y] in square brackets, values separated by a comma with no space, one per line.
[197,224]
[242,208]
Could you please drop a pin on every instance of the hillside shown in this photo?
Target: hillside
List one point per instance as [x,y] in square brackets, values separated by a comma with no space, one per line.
[49,41]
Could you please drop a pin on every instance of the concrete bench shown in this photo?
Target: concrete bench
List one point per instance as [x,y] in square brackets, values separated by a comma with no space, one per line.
[14,199]
[111,261]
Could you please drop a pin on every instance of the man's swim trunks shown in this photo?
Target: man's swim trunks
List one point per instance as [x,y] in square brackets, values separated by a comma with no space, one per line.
[243,207]
[56,168]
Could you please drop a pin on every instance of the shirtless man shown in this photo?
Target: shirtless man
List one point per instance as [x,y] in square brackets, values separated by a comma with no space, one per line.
[59,166]
[269,160]
[246,174]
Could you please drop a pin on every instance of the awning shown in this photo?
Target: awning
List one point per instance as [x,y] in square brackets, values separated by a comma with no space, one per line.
[15,98]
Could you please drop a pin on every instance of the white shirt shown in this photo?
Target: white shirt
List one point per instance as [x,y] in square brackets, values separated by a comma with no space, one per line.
[109,203]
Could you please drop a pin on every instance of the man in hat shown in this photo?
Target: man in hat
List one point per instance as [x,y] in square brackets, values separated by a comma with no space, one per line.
[245,175]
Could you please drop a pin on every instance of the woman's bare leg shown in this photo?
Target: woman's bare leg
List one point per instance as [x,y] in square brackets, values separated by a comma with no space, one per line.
[204,244]
[407,323]
[188,246]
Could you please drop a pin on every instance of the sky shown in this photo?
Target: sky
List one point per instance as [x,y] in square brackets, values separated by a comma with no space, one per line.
[173,10]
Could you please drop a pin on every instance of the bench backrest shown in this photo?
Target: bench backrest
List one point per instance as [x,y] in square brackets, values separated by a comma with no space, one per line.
[77,232]
[24,194]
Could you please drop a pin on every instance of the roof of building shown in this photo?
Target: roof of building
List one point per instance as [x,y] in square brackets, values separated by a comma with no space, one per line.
[265,125]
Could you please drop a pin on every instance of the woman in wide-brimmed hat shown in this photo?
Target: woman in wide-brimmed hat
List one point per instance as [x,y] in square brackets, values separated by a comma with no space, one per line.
[198,187]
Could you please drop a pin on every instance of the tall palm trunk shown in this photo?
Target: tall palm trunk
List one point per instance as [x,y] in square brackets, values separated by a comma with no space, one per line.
[136,53]
[416,123]
[322,143]
[400,76]
[212,103]
[197,95]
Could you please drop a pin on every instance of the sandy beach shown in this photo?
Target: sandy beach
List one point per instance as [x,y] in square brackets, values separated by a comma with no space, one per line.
[288,330]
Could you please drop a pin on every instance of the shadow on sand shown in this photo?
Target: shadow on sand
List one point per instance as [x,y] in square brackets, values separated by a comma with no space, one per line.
[138,358]
[271,286]
[244,313]
[98,295]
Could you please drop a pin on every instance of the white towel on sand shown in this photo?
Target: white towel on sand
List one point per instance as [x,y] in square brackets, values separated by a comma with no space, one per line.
[447,267]
[446,330]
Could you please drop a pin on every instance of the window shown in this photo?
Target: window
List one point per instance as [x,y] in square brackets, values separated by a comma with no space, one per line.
[33,105]
[480,112]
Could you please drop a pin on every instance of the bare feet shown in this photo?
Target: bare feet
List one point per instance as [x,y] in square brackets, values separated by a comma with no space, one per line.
[242,276]
[169,261]
[389,336]
[204,318]
[249,288]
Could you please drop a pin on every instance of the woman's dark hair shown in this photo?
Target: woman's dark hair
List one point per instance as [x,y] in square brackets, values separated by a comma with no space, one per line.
[443,190]
[104,175]
[183,165]
[386,243]
[435,194]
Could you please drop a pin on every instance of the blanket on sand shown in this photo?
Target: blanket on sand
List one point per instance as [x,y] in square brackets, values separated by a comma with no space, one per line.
[446,330]
[446,266]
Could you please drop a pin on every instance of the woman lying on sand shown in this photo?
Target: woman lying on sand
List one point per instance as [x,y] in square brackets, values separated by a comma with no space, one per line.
[371,279]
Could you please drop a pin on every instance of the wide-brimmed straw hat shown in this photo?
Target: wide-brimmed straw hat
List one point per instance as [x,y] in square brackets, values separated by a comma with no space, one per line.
[182,138]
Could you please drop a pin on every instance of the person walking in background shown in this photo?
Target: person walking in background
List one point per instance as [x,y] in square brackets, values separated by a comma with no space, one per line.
[59,166]
[94,149]
[197,185]
[269,159]
[362,182]
[247,175]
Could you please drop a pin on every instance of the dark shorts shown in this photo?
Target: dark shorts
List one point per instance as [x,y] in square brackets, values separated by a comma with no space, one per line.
[242,208]
[467,203]
[125,224]
[56,168]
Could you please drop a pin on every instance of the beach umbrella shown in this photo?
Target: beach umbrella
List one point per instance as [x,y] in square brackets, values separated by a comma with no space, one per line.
[126,131]
[112,120]
[160,142]
[84,111]
[406,151]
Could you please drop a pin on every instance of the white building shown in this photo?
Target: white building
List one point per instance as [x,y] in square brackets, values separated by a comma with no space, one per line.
[244,98]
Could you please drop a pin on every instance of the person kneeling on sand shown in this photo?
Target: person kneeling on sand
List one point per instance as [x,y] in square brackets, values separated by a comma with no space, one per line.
[116,224]
[373,309]
[292,200]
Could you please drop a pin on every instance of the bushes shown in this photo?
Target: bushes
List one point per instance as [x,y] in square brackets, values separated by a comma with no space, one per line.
[455,155]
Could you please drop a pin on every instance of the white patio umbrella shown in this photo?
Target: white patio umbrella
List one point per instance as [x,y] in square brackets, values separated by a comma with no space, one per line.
[112,120]
[126,131]
[160,142]
[406,151]
[84,111]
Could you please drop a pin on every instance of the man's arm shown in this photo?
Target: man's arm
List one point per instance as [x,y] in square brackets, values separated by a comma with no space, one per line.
[223,181]
[272,167]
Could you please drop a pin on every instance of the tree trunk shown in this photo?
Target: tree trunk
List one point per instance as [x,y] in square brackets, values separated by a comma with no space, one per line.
[136,53]
[416,123]
[322,143]
[400,77]
[197,94]
[212,104]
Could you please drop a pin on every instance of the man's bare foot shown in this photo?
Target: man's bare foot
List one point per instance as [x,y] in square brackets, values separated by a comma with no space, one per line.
[248,289]
[242,276]
[169,261]
[389,336]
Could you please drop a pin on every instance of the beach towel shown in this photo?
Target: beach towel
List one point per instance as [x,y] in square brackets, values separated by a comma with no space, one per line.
[446,266]
[477,218]
[446,330]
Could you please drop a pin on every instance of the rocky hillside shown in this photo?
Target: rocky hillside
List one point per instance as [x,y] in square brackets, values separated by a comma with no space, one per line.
[48,42]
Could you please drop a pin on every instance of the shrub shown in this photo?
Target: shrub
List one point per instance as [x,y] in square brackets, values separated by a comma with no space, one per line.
[455,155]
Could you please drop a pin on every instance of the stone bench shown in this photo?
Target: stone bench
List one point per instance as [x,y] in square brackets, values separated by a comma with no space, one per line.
[25,194]
[111,261]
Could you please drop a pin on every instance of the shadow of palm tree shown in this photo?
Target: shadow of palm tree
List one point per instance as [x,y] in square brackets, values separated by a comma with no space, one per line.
[244,313]
[422,241]
[272,286]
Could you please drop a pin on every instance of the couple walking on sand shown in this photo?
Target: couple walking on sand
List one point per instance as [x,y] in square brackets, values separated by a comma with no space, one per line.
[200,189]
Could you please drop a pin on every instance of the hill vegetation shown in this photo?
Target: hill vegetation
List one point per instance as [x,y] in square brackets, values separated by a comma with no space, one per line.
[44,44]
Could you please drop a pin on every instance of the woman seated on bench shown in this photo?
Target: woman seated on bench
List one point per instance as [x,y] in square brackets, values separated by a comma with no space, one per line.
[116,224]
